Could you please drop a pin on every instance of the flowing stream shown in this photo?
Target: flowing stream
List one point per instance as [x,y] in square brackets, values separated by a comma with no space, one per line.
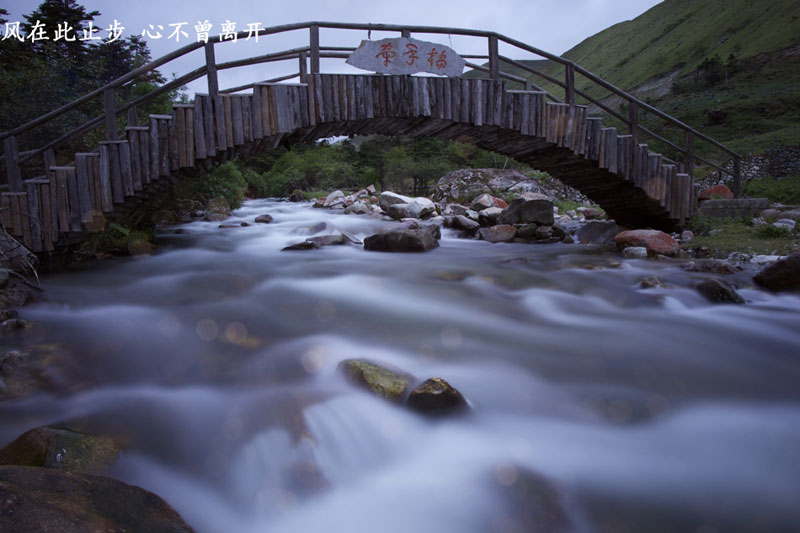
[596,405]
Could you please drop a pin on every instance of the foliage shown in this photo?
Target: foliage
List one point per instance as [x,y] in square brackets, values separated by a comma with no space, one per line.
[120,240]
[723,236]
[784,190]
[43,75]
[768,231]
[228,180]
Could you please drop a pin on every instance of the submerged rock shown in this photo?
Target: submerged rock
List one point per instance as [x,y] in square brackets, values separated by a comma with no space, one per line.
[62,449]
[656,242]
[782,275]
[43,499]
[712,266]
[528,211]
[328,240]
[651,282]
[717,292]
[381,381]
[264,219]
[402,240]
[635,252]
[436,397]
[305,245]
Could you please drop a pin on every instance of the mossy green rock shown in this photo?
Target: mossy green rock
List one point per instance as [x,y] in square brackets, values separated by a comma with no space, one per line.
[381,381]
[43,499]
[62,449]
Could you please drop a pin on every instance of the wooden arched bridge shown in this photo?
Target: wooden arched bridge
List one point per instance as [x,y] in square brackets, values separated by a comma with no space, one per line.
[554,133]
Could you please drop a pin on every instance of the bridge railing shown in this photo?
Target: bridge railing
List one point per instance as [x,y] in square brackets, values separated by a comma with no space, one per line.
[308,59]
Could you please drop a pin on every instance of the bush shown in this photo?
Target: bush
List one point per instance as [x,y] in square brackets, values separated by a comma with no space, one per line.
[784,190]
[773,232]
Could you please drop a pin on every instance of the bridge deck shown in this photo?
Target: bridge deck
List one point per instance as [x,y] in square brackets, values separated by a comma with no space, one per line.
[631,183]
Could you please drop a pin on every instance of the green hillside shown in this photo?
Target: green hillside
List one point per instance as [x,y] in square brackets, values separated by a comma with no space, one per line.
[730,68]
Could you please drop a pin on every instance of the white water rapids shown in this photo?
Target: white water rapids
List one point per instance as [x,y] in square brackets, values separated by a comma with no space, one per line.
[595,405]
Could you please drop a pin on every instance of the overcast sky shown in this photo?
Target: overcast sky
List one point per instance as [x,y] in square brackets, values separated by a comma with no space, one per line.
[551,25]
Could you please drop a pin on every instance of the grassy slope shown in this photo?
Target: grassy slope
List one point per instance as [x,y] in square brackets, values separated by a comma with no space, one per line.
[761,103]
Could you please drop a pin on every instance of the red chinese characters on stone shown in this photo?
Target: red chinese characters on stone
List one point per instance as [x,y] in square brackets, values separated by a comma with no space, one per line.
[437,59]
[386,53]
[411,54]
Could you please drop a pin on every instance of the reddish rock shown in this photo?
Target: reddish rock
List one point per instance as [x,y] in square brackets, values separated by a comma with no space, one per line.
[656,242]
[715,193]
[499,202]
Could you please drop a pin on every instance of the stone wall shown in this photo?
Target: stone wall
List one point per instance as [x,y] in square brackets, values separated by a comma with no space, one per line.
[776,162]
[736,208]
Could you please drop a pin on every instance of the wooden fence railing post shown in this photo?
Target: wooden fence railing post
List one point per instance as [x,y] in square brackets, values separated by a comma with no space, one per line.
[405,33]
[110,108]
[303,67]
[688,161]
[213,94]
[737,176]
[633,118]
[313,39]
[132,120]
[569,79]
[12,164]
[494,58]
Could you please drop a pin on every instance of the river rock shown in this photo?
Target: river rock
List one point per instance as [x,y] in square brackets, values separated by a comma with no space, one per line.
[527,231]
[794,214]
[334,199]
[62,449]
[651,282]
[531,502]
[388,198]
[596,232]
[436,397]
[499,233]
[43,499]
[381,381]
[656,242]
[13,326]
[16,292]
[712,266]
[525,211]
[770,214]
[463,223]
[14,256]
[297,196]
[458,209]
[328,240]
[717,292]
[488,216]
[305,245]
[485,201]
[402,240]
[635,252]
[786,223]
[264,219]
[358,208]
[782,275]
[590,213]
[716,192]
[217,209]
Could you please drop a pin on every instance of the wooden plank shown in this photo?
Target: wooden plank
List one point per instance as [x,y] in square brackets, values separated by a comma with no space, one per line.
[209,127]
[163,147]
[227,120]
[237,121]
[180,120]
[105,179]
[247,117]
[48,228]
[25,220]
[352,99]
[136,158]
[172,141]
[466,102]
[258,130]
[5,207]
[117,193]
[34,215]
[73,199]
[125,168]
[62,199]
[478,103]
[82,164]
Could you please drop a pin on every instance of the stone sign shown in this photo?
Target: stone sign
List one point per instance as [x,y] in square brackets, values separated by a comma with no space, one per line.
[404,55]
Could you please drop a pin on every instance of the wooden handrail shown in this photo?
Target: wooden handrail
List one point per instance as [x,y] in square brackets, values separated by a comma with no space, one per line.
[315,51]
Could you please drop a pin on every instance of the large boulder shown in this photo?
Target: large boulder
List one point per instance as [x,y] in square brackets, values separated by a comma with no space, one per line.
[334,199]
[415,208]
[718,292]
[62,449]
[14,256]
[717,192]
[782,275]
[528,211]
[402,240]
[488,216]
[656,242]
[43,499]
[388,198]
[436,397]
[462,186]
[377,379]
[499,233]
[597,232]
[463,223]
[357,208]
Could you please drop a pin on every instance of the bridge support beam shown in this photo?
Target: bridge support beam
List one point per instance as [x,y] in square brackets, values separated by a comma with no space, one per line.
[569,79]
[494,58]
[313,40]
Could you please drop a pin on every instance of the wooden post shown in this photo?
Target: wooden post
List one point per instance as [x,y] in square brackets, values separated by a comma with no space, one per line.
[569,78]
[303,68]
[633,118]
[110,107]
[737,176]
[405,33]
[688,145]
[12,164]
[313,39]
[213,94]
[132,120]
[494,59]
